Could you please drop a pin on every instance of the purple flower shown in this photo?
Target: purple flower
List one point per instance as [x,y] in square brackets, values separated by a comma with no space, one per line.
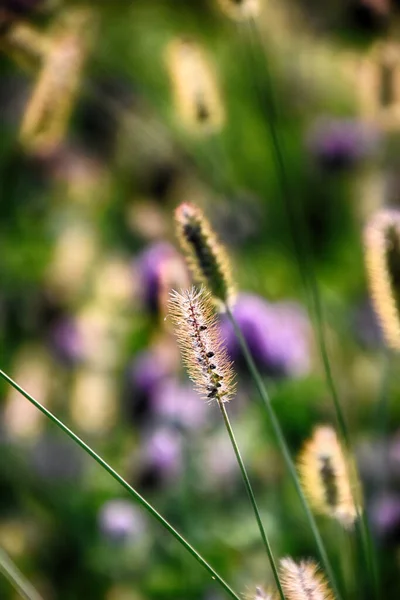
[385,516]
[161,456]
[120,521]
[278,335]
[145,374]
[149,265]
[341,143]
[179,404]
[66,341]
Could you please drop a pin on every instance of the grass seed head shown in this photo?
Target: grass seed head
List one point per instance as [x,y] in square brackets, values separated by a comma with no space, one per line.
[195,89]
[49,109]
[325,476]
[206,257]
[382,258]
[303,581]
[199,340]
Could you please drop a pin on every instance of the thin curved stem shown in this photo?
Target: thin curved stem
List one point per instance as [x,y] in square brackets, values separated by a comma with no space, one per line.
[285,452]
[16,578]
[142,501]
[250,492]
[302,252]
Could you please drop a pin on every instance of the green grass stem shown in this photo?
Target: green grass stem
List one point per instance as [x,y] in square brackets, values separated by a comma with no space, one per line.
[131,491]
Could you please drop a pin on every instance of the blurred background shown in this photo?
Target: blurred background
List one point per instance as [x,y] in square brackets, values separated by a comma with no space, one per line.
[111,114]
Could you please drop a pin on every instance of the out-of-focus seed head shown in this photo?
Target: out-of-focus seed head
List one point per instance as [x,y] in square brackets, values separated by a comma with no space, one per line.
[382,258]
[47,115]
[206,257]
[25,44]
[303,581]
[200,343]
[240,10]
[325,477]
[195,89]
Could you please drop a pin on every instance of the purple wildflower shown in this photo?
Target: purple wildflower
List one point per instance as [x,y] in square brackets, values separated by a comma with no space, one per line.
[149,267]
[66,341]
[179,404]
[121,521]
[278,335]
[341,143]
[161,456]
[146,373]
[385,516]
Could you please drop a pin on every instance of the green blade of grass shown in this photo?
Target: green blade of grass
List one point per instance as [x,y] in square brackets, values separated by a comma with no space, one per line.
[16,578]
[285,452]
[250,492]
[131,491]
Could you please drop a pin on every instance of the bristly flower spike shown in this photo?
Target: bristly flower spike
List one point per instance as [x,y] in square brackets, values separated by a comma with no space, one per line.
[382,258]
[206,257]
[240,10]
[194,85]
[198,336]
[325,477]
[303,581]
[49,109]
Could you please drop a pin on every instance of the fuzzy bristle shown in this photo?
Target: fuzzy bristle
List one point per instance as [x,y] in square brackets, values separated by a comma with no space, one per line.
[382,258]
[47,115]
[325,477]
[200,344]
[206,257]
[259,593]
[303,581]
[240,10]
[195,88]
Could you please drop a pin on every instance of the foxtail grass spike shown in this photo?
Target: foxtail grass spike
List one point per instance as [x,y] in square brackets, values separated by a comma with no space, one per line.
[25,44]
[201,347]
[192,314]
[325,478]
[206,257]
[304,581]
[240,10]
[49,109]
[382,258]
[194,85]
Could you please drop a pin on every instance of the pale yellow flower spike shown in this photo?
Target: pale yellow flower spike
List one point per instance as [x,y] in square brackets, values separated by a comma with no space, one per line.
[382,243]
[205,255]
[195,89]
[303,581]
[198,336]
[325,478]
[47,115]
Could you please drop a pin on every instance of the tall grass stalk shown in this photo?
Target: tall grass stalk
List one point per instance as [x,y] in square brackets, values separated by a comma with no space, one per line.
[301,246]
[252,499]
[131,491]
[16,578]
[285,452]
